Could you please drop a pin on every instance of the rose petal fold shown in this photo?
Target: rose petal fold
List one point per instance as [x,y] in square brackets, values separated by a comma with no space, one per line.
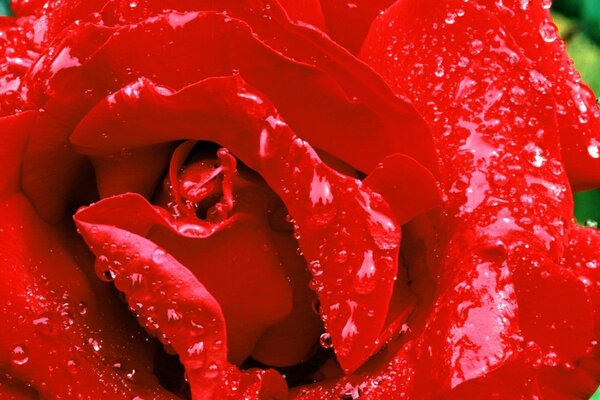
[186,316]
[352,275]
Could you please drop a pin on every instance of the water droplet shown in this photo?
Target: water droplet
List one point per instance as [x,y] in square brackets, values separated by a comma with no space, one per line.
[315,268]
[158,256]
[316,285]
[108,275]
[546,4]
[550,359]
[342,257]
[103,269]
[325,341]
[594,148]
[365,278]
[82,308]
[196,349]
[199,328]
[548,32]
[94,344]
[518,95]
[136,278]
[539,81]
[476,47]
[173,315]
[130,375]
[212,371]
[47,324]
[19,355]
[72,367]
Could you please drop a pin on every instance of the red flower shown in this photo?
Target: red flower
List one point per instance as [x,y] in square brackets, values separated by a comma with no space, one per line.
[260,190]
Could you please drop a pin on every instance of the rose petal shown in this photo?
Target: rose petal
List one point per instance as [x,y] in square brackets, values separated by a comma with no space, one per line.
[81,67]
[353,276]
[465,75]
[305,11]
[15,134]
[188,318]
[533,29]
[135,171]
[12,389]
[348,22]
[355,99]
[48,304]
[293,340]
[406,186]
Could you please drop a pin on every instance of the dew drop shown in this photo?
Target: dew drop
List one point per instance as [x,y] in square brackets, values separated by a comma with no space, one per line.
[173,315]
[130,375]
[548,32]
[315,268]
[72,367]
[325,341]
[594,148]
[550,359]
[518,96]
[19,355]
[158,256]
[212,371]
[539,81]
[47,324]
[108,275]
[476,47]
[136,278]
[196,349]
[82,308]
[365,278]
[94,344]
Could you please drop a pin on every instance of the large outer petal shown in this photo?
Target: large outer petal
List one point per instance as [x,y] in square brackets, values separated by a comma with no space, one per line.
[348,22]
[85,62]
[531,25]
[496,132]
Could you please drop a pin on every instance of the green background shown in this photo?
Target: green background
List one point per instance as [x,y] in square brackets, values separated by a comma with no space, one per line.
[579,23]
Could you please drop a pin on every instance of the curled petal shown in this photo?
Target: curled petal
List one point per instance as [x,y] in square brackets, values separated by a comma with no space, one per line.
[189,319]
[48,304]
[406,185]
[352,275]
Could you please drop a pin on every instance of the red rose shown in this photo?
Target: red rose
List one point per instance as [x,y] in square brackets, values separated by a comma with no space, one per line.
[267,204]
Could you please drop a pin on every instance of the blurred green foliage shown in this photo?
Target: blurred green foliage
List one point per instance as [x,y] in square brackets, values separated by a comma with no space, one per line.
[4,7]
